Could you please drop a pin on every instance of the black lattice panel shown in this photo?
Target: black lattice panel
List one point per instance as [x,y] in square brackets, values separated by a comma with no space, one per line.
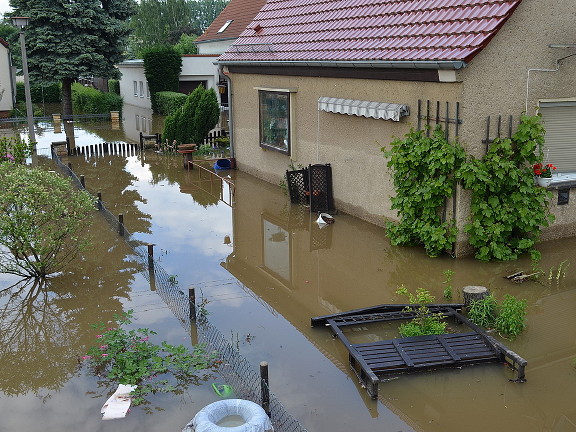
[298,185]
[320,183]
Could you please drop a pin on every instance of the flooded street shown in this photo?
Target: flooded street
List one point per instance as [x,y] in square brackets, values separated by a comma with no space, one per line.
[264,268]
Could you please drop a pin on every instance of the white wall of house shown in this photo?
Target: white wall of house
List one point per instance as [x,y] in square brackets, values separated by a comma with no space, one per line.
[214,46]
[6,82]
[134,87]
[133,84]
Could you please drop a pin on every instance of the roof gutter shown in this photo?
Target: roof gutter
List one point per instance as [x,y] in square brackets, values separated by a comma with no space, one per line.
[368,64]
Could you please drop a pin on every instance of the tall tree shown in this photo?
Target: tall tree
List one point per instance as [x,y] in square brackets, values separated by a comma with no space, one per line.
[66,39]
[154,21]
[206,11]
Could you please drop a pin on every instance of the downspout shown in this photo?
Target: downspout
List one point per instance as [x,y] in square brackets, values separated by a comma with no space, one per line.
[541,70]
[223,71]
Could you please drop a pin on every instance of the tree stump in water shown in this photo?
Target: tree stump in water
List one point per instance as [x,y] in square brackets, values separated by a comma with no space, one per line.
[474,292]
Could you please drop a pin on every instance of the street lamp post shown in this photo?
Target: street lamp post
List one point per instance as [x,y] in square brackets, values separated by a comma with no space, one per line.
[22,22]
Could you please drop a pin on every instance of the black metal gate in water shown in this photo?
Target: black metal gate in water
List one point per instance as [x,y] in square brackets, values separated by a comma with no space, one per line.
[313,186]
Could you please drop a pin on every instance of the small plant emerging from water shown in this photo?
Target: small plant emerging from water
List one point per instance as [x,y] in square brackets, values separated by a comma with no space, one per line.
[555,274]
[449,274]
[129,357]
[508,318]
[425,322]
[483,312]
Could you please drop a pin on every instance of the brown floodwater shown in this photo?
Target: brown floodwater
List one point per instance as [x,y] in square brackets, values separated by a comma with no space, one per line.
[264,268]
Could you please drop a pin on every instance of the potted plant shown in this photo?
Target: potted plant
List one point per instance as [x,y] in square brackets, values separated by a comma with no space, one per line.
[543,173]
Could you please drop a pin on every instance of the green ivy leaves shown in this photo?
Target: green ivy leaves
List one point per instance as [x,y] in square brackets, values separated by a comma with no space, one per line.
[423,173]
[507,208]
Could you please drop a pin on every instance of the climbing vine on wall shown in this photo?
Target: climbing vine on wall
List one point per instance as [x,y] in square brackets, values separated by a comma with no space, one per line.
[508,209]
[423,170]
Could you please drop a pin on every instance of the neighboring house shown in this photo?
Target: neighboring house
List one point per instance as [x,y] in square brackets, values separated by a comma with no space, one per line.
[392,65]
[199,69]
[7,82]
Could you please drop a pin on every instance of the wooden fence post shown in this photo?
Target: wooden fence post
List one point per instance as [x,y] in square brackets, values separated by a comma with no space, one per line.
[265,386]
[192,303]
[121,224]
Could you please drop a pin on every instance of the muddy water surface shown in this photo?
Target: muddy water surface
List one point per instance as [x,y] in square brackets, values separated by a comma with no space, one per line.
[265,268]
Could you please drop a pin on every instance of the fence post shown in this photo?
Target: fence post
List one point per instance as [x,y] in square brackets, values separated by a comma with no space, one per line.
[192,303]
[151,273]
[121,224]
[99,200]
[265,386]
[83,182]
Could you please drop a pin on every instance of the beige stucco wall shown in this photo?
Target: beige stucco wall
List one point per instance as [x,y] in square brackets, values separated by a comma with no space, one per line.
[495,84]
[350,144]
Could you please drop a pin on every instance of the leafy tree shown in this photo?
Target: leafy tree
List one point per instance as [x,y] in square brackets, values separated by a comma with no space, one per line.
[42,221]
[162,66]
[186,45]
[68,39]
[163,22]
[154,20]
[206,11]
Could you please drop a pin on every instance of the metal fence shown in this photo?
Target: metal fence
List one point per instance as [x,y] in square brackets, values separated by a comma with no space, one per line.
[235,369]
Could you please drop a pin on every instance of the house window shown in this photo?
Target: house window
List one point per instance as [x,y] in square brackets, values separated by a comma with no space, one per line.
[225,26]
[275,120]
[147,91]
[137,122]
[141,89]
[136,88]
[560,139]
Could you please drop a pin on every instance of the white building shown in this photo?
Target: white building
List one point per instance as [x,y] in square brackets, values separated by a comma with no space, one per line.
[7,82]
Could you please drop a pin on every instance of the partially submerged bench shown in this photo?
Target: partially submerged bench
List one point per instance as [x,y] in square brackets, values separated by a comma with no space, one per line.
[375,361]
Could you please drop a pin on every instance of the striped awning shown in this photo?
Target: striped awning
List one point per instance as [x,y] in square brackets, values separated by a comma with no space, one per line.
[360,108]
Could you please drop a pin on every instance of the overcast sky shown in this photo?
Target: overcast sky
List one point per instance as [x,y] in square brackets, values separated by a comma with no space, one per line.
[4,6]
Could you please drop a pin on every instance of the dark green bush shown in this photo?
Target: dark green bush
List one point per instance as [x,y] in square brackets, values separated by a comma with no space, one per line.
[47,93]
[169,101]
[114,86]
[91,101]
[162,66]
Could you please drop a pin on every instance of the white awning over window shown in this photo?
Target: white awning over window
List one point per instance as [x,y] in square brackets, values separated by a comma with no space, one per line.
[360,108]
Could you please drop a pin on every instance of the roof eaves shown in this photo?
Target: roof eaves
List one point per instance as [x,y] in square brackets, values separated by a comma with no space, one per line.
[424,64]
[214,40]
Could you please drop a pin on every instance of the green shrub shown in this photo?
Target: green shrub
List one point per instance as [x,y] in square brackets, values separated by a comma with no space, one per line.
[91,101]
[423,169]
[47,93]
[483,312]
[129,357]
[511,317]
[43,221]
[508,318]
[114,86]
[169,101]
[425,322]
[162,66]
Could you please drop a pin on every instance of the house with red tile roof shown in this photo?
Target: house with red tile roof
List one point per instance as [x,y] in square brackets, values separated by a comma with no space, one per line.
[333,81]
[7,80]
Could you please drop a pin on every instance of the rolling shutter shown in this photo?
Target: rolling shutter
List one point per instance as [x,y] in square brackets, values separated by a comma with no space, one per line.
[560,139]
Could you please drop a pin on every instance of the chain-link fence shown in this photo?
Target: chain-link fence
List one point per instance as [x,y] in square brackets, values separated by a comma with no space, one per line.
[235,369]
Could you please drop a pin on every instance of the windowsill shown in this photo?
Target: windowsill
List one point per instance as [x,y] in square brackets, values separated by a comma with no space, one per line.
[563,181]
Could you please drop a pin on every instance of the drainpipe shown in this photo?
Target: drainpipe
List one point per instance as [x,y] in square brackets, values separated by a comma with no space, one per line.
[223,71]
[541,70]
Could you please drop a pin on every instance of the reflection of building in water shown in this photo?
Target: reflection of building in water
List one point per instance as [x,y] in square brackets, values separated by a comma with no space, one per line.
[137,119]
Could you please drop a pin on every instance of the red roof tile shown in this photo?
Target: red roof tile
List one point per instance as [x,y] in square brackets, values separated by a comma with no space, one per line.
[241,12]
[384,30]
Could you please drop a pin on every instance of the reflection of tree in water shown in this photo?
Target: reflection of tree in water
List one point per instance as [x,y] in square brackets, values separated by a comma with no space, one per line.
[204,190]
[37,340]
[108,175]
[45,327]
